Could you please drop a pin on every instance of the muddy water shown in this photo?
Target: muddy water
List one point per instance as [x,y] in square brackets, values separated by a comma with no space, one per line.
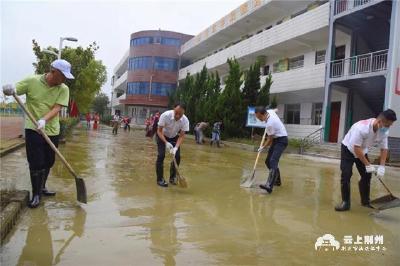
[131,221]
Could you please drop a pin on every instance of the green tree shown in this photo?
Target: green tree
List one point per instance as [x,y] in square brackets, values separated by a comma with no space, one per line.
[90,74]
[229,105]
[251,85]
[100,103]
[274,102]
[263,96]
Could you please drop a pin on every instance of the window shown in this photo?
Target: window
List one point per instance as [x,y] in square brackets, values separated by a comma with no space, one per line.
[296,62]
[155,39]
[166,64]
[162,89]
[144,62]
[141,41]
[137,88]
[317,113]
[320,57]
[170,41]
[292,114]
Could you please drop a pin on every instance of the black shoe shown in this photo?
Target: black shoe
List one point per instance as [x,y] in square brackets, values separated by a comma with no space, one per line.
[368,206]
[48,193]
[172,181]
[345,204]
[278,178]
[45,191]
[162,183]
[35,202]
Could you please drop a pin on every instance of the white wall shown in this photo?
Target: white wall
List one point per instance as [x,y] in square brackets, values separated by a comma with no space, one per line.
[303,24]
[298,79]
[305,98]
[393,79]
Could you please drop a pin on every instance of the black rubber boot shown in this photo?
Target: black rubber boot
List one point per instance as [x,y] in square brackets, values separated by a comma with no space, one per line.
[162,183]
[37,183]
[211,143]
[364,187]
[46,192]
[345,204]
[278,181]
[270,182]
[218,144]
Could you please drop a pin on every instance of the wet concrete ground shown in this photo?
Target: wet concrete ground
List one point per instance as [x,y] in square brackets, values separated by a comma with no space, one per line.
[131,221]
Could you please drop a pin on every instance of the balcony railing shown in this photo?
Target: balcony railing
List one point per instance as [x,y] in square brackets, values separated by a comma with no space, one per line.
[344,5]
[360,64]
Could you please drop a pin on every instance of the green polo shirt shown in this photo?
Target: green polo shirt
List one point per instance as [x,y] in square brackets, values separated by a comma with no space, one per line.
[40,99]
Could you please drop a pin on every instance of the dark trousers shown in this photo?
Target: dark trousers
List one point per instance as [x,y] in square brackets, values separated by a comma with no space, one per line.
[161,157]
[347,160]
[39,153]
[275,152]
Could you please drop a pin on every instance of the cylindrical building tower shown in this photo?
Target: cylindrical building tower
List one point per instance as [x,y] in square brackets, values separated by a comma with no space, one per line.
[152,71]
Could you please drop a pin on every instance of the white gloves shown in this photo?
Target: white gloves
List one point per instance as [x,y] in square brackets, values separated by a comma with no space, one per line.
[381,171]
[169,146]
[174,150]
[9,89]
[41,124]
[370,169]
[261,149]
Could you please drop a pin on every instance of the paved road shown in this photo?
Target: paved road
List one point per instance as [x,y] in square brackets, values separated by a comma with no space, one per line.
[11,127]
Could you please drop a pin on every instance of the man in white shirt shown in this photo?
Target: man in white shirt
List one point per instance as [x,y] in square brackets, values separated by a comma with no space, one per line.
[172,126]
[361,136]
[277,139]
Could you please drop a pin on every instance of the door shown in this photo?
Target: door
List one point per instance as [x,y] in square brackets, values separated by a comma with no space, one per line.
[335,119]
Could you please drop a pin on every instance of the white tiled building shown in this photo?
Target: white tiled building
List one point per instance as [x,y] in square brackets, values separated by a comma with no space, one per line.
[292,38]
[332,62]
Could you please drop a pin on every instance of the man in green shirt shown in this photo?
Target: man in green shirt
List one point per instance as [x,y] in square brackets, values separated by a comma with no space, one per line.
[45,95]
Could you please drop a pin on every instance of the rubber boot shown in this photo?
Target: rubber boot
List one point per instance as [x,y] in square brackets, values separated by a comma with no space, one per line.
[364,187]
[37,183]
[218,144]
[211,143]
[46,192]
[270,181]
[345,204]
[278,181]
[172,174]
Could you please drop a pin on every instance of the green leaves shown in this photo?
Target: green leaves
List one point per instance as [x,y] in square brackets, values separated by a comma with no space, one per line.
[90,74]
[207,102]
[100,103]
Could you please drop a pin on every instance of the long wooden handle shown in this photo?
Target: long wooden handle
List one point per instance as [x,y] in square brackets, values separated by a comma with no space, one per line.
[54,148]
[176,166]
[259,152]
[384,185]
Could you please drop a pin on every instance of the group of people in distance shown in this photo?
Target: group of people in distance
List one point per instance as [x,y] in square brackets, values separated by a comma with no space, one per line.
[95,118]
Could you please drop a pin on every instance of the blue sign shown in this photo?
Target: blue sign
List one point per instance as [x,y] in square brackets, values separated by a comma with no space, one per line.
[252,120]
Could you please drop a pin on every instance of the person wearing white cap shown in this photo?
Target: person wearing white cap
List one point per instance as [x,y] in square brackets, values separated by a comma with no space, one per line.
[45,95]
